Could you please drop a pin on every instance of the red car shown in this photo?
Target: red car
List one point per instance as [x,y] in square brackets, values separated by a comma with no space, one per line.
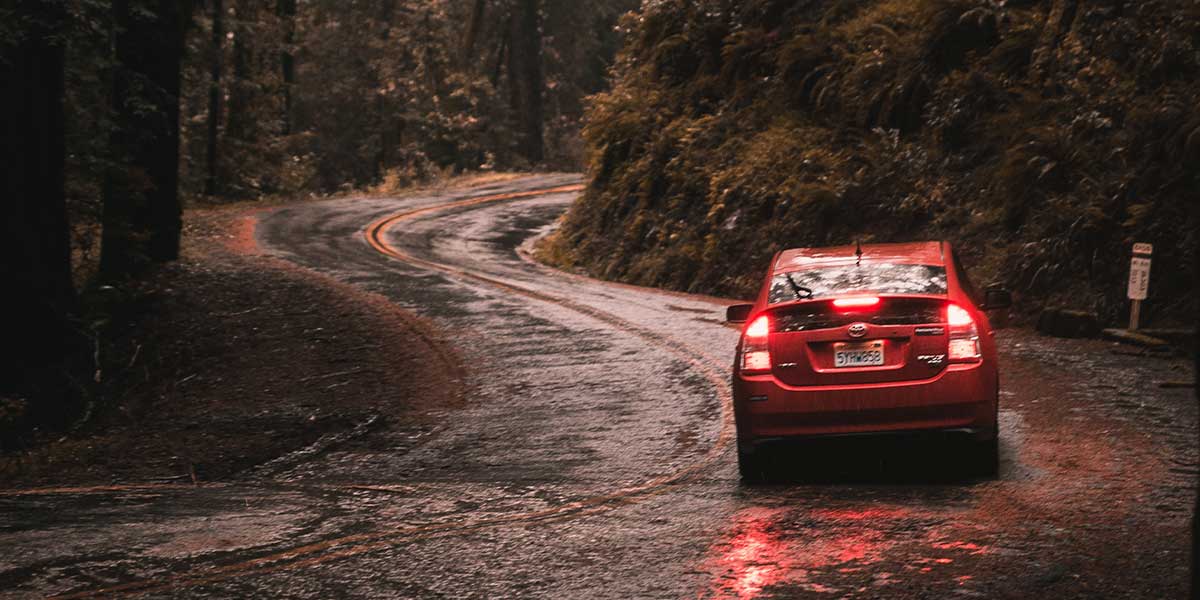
[870,339]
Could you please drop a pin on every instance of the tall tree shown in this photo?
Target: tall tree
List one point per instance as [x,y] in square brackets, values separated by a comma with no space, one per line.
[474,25]
[286,9]
[525,76]
[244,137]
[239,121]
[34,248]
[214,96]
[383,158]
[142,212]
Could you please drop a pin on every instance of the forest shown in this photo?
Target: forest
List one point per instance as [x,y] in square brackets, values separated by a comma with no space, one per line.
[120,113]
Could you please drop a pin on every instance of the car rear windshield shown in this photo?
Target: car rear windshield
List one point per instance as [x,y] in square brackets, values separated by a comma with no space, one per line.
[871,278]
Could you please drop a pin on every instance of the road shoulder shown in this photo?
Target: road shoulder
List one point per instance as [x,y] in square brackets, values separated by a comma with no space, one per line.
[232,359]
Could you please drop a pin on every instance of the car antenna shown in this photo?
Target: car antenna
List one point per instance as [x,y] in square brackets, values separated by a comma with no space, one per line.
[857,253]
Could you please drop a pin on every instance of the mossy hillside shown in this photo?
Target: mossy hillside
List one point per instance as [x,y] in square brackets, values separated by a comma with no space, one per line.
[1041,137]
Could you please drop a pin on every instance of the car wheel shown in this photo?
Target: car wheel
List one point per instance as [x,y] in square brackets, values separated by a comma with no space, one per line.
[750,465]
[986,457]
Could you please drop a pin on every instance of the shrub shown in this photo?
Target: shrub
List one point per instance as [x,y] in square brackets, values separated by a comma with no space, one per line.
[1042,139]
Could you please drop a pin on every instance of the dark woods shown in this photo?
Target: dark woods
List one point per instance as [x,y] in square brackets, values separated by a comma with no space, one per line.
[35,256]
[118,112]
[141,210]
[287,97]
[92,137]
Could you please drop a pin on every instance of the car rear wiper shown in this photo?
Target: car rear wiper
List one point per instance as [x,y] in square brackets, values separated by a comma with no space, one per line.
[802,293]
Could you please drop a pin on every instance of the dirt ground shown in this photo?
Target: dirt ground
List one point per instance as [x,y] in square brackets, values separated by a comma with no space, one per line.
[236,359]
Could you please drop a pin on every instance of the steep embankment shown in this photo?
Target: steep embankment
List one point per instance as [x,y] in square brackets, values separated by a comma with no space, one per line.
[1042,137]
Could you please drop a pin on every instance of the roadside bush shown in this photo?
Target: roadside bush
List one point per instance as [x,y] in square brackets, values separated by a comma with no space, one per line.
[1043,138]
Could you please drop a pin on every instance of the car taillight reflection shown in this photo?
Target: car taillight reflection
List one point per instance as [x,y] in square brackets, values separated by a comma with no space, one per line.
[756,559]
[772,547]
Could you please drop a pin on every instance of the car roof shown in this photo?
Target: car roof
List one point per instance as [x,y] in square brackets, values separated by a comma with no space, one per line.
[909,253]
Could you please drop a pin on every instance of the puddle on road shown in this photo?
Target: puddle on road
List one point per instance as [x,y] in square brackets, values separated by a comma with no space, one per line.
[191,537]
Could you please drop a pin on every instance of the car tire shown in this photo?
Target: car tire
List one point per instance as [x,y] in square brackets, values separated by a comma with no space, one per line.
[986,457]
[750,465]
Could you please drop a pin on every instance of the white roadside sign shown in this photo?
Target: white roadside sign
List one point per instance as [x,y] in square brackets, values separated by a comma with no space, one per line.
[1139,281]
[1139,278]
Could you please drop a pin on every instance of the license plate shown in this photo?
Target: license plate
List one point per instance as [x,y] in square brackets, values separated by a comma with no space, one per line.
[864,354]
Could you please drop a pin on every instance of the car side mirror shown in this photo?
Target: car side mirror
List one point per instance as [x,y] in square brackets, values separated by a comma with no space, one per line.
[738,313]
[996,297]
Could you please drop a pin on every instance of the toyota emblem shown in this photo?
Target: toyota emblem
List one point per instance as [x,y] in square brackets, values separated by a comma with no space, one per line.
[857,330]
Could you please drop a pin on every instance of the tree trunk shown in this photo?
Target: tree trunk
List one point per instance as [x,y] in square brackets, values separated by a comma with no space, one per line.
[35,258]
[287,64]
[241,127]
[238,122]
[383,158]
[142,212]
[214,95]
[525,77]
[501,56]
[474,24]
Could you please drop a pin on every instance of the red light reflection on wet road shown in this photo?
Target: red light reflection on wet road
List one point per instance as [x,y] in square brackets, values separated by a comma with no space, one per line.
[758,555]
[753,559]
[767,547]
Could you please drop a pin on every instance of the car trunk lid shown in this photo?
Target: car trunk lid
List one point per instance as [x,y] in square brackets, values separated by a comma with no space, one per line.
[899,339]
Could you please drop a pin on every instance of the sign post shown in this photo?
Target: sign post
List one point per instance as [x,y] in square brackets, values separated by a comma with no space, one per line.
[1139,281]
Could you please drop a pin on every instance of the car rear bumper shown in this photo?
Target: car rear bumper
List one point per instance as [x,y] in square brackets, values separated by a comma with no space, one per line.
[961,398]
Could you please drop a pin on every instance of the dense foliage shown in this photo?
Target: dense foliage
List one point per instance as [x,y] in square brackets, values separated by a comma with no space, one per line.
[386,90]
[1043,137]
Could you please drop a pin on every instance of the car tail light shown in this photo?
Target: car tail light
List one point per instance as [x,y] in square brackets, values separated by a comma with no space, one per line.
[964,336]
[756,357]
[857,302]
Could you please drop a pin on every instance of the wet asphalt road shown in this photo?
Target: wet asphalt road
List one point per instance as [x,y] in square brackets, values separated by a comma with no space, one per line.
[590,457]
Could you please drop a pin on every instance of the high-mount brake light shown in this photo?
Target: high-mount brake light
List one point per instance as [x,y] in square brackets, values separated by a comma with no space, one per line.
[964,336]
[756,356]
[857,302]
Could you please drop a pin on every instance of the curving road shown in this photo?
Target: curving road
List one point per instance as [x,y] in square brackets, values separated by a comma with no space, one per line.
[587,454]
